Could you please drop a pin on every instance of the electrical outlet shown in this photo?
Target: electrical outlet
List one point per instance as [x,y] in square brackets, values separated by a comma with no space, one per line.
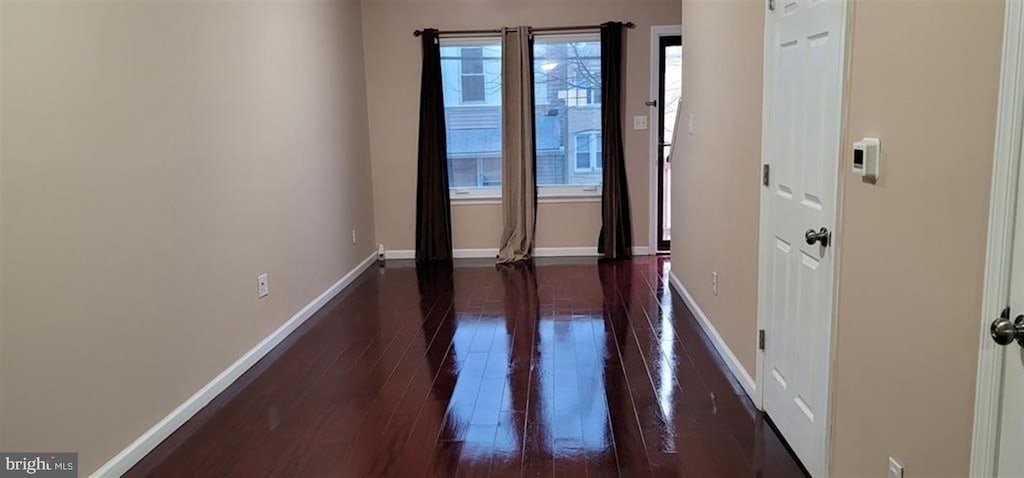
[691,123]
[714,283]
[895,469]
[353,236]
[639,122]
[263,284]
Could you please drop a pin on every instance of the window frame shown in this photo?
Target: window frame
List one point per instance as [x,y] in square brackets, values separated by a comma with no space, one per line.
[594,141]
[463,75]
[472,194]
[572,192]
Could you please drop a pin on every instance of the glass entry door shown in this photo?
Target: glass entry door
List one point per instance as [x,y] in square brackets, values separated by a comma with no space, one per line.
[670,76]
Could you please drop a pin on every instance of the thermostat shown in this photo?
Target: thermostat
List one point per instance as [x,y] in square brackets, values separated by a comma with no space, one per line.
[866,157]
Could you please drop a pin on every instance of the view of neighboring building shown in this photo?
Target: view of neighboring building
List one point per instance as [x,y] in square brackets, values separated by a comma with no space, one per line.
[567,91]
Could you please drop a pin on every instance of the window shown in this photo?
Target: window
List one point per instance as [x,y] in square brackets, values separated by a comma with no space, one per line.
[567,92]
[588,152]
[471,74]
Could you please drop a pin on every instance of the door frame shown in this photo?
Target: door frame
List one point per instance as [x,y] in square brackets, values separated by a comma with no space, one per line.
[1001,222]
[763,252]
[657,32]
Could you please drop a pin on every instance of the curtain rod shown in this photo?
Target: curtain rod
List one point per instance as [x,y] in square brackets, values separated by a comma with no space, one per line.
[532,30]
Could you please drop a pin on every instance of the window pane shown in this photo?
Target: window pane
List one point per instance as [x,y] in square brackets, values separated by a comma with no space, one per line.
[582,162]
[471,73]
[473,88]
[472,60]
[673,89]
[490,172]
[461,172]
[567,89]
[582,152]
[583,143]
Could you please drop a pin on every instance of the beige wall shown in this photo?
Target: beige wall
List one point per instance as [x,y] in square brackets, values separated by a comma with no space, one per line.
[393,76]
[715,195]
[923,78]
[157,157]
[558,225]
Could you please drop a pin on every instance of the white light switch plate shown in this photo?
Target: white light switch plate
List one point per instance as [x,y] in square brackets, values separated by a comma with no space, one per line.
[639,122]
[263,283]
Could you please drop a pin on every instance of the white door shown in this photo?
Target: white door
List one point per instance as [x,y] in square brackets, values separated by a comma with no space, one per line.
[1011,421]
[804,101]
[1010,461]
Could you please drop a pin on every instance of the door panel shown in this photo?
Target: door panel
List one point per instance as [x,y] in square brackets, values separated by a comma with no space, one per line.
[802,148]
[1011,423]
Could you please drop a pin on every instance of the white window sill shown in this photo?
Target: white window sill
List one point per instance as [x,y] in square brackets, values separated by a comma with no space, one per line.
[545,194]
[549,194]
[470,196]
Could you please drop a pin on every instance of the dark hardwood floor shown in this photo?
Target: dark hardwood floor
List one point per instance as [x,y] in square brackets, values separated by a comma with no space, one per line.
[566,368]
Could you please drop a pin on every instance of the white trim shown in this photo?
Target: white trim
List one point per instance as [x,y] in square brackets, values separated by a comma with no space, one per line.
[723,349]
[134,452]
[482,253]
[1002,210]
[476,193]
[762,228]
[569,191]
[837,238]
[655,124]
[563,36]
[490,253]
[483,39]
[568,199]
[399,254]
[470,201]
[540,200]
[563,193]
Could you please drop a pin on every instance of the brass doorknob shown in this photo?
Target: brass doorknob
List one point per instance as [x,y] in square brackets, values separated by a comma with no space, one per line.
[821,236]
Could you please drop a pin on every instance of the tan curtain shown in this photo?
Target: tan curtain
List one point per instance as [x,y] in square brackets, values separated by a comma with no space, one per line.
[518,161]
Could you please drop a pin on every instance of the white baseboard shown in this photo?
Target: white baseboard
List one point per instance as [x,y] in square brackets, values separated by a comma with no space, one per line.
[491,253]
[131,455]
[392,254]
[748,383]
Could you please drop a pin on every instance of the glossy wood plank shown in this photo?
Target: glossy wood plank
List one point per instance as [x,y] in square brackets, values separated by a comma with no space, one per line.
[565,367]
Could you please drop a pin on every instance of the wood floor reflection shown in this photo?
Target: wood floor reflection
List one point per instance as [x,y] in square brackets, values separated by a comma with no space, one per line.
[563,368]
